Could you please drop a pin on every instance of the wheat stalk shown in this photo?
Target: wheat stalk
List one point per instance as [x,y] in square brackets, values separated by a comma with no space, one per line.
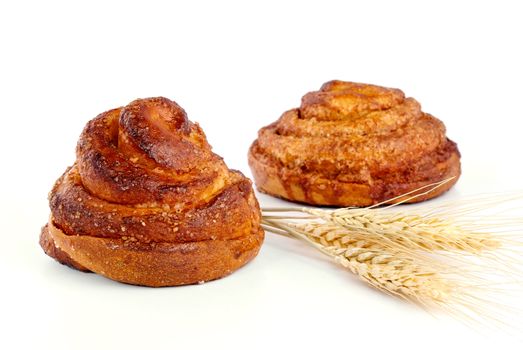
[422,254]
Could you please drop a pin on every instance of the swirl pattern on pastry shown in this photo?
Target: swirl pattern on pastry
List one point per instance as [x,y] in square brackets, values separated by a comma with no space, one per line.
[352,144]
[147,202]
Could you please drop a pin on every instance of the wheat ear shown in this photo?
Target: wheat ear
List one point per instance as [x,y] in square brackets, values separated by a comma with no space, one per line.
[391,272]
[422,255]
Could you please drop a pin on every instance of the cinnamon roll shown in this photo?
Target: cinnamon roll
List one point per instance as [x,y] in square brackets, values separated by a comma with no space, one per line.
[352,144]
[147,202]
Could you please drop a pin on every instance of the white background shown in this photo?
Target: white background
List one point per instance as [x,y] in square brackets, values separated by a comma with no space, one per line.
[234,67]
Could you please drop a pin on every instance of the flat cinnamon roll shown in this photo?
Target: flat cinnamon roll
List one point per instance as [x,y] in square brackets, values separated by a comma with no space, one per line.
[352,144]
[147,202]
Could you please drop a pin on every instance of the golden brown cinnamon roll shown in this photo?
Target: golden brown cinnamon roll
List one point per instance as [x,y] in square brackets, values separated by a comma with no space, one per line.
[353,144]
[147,202]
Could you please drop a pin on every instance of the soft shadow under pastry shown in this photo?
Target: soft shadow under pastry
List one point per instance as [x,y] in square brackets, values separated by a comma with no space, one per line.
[352,144]
[147,202]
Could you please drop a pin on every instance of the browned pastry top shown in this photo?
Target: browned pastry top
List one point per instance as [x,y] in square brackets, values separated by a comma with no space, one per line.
[148,152]
[146,180]
[352,133]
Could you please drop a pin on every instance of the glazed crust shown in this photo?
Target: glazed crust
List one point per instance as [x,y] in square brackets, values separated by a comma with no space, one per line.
[147,202]
[353,144]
